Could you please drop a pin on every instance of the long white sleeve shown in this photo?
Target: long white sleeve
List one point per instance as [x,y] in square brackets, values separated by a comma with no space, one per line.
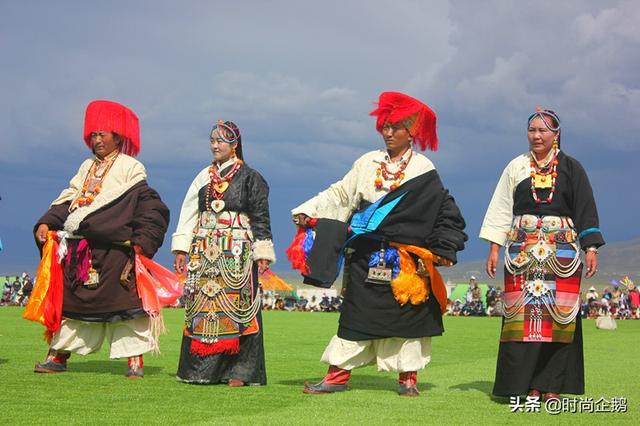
[341,199]
[499,215]
[181,239]
[336,202]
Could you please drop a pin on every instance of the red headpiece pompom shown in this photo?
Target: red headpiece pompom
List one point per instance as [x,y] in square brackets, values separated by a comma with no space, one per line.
[113,117]
[420,119]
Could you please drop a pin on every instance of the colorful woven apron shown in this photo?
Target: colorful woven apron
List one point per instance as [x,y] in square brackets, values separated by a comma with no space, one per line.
[542,280]
[221,300]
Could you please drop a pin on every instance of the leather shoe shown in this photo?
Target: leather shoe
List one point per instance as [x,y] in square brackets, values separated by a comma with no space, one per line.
[534,393]
[408,391]
[322,387]
[50,366]
[135,373]
[235,383]
[550,395]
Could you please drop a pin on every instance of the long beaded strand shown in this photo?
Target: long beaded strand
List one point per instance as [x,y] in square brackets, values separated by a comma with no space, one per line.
[383,173]
[535,170]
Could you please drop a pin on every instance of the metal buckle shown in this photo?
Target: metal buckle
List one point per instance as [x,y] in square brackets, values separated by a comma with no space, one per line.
[380,274]
[93,280]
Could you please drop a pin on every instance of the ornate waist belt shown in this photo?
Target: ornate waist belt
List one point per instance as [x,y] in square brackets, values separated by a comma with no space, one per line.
[223,220]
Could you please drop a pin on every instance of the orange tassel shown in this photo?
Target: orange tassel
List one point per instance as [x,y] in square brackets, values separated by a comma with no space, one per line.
[45,303]
[408,286]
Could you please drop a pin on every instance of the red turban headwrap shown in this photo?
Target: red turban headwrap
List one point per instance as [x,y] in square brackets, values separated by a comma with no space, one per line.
[418,117]
[113,117]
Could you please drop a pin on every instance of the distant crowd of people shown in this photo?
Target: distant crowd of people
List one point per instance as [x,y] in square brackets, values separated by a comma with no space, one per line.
[474,304]
[620,302]
[272,301]
[16,290]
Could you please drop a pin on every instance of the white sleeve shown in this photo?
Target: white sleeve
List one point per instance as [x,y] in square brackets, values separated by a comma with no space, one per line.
[497,220]
[181,239]
[338,201]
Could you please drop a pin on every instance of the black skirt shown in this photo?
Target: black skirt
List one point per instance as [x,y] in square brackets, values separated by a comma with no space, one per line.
[546,367]
[248,365]
[369,311]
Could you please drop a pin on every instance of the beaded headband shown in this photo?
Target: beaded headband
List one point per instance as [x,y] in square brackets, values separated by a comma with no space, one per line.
[227,131]
[545,112]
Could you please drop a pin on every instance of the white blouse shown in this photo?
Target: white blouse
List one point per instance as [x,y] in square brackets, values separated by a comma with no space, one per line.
[497,220]
[342,198]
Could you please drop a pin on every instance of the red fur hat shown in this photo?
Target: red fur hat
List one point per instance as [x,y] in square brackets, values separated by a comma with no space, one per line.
[394,107]
[113,117]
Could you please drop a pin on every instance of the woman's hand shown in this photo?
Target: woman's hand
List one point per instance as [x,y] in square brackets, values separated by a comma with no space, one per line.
[263,265]
[492,260]
[41,233]
[301,219]
[180,262]
[591,259]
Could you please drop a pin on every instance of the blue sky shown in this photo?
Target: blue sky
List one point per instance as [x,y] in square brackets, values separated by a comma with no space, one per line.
[299,78]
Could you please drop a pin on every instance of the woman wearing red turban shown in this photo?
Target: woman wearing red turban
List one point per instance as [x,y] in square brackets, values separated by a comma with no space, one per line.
[106,216]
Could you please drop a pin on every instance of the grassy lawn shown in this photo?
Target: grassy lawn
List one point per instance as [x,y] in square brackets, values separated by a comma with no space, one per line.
[455,387]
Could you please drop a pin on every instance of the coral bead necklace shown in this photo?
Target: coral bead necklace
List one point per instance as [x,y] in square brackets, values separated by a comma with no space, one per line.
[544,177]
[93,182]
[383,172]
[218,185]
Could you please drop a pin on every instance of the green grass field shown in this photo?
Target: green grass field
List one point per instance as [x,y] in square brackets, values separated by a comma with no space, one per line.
[455,387]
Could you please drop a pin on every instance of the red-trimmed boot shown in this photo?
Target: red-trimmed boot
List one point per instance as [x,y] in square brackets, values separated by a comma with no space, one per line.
[335,381]
[56,362]
[408,384]
[136,365]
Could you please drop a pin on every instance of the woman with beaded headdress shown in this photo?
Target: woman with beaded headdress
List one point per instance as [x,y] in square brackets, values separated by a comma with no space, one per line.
[86,288]
[543,212]
[402,223]
[223,240]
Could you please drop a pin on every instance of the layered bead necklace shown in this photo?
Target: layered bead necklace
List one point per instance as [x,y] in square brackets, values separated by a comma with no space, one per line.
[218,185]
[544,177]
[383,172]
[93,182]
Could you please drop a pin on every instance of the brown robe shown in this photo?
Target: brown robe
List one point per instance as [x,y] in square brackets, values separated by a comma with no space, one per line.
[139,216]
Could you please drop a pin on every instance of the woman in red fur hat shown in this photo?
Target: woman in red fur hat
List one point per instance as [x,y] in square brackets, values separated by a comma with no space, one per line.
[106,215]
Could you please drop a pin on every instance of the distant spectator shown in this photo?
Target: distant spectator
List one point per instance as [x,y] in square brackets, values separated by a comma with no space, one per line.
[27,288]
[490,296]
[290,303]
[301,304]
[313,305]
[634,298]
[592,295]
[15,291]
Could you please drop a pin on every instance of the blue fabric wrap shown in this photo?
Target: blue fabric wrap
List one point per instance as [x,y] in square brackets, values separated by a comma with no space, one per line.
[588,231]
[308,242]
[369,220]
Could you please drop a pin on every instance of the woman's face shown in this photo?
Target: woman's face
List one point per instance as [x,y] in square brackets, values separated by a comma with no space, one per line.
[396,137]
[104,143]
[540,138]
[221,150]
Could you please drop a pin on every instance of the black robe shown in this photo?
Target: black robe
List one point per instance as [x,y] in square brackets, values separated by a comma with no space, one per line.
[248,193]
[426,216]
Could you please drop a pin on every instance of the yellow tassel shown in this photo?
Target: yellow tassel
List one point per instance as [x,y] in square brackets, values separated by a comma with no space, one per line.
[408,286]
